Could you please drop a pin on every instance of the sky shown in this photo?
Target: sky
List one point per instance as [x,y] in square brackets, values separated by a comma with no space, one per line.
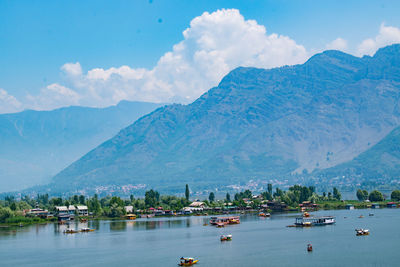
[97,53]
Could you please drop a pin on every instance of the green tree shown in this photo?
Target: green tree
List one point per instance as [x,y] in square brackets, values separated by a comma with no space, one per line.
[269,189]
[151,198]
[228,197]
[362,195]
[336,194]
[211,197]
[132,198]
[187,192]
[395,195]
[375,196]
[82,199]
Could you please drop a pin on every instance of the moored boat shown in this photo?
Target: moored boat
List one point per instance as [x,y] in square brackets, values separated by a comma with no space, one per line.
[224,220]
[87,230]
[70,231]
[264,214]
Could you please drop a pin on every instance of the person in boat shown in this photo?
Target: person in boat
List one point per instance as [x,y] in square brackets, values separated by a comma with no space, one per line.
[309,247]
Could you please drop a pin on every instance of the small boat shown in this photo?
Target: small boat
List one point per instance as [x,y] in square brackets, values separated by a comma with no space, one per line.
[70,231]
[309,247]
[306,214]
[371,214]
[220,225]
[187,261]
[361,216]
[226,238]
[87,230]
[362,232]
[262,214]
[205,224]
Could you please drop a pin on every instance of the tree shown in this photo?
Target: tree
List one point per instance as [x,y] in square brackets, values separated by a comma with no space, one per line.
[375,196]
[269,189]
[336,194]
[211,197]
[228,197]
[151,198]
[187,192]
[132,198]
[82,199]
[362,195]
[395,195]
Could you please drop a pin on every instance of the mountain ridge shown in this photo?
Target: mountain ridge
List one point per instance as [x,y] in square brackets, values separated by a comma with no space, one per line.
[256,124]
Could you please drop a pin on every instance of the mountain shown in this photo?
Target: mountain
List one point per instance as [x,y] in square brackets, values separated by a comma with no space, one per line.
[380,162]
[256,124]
[36,145]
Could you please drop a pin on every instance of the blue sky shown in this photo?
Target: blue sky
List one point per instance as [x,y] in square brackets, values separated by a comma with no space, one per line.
[38,37]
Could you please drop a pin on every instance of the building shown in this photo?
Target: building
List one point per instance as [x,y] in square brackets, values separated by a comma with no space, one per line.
[71,209]
[62,210]
[375,206]
[391,205]
[277,206]
[37,212]
[308,205]
[128,209]
[197,204]
[82,210]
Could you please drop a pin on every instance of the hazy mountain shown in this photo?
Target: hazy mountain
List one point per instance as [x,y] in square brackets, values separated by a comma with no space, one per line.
[380,162]
[35,145]
[256,124]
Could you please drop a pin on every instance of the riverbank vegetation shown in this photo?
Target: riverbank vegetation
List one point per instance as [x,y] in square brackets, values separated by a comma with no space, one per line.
[16,211]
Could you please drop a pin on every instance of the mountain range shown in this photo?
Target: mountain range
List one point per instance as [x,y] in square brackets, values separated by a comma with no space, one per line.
[36,145]
[257,124]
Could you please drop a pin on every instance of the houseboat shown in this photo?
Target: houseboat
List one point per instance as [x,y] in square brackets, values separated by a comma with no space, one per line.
[224,220]
[314,221]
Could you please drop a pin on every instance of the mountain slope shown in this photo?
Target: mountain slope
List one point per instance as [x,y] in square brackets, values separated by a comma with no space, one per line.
[257,124]
[380,161]
[35,145]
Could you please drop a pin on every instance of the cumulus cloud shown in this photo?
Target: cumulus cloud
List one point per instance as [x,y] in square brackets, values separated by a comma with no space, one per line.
[214,44]
[8,103]
[54,96]
[337,44]
[387,35]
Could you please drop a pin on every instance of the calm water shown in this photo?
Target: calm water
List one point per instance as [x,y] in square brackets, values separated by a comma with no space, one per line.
[256,242]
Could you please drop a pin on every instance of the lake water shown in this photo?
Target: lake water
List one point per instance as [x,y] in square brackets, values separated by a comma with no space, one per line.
[256,242]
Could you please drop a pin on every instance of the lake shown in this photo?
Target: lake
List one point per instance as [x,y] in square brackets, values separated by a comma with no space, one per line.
[256,242]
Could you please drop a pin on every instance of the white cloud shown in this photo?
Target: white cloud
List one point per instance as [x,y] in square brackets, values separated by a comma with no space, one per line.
[53,96]
[387,35]
[214,44]
[337,44]
[8,103]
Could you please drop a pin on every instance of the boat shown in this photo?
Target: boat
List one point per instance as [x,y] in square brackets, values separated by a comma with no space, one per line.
[205,224]
[262,214]
[226,238]
[83,220]
[130,216]
[309,247]
[70,231]
[224,220]
[362,232]
[306,214]
[314,221]
[187,261]
[371,214]
[87,230]
[361,216]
